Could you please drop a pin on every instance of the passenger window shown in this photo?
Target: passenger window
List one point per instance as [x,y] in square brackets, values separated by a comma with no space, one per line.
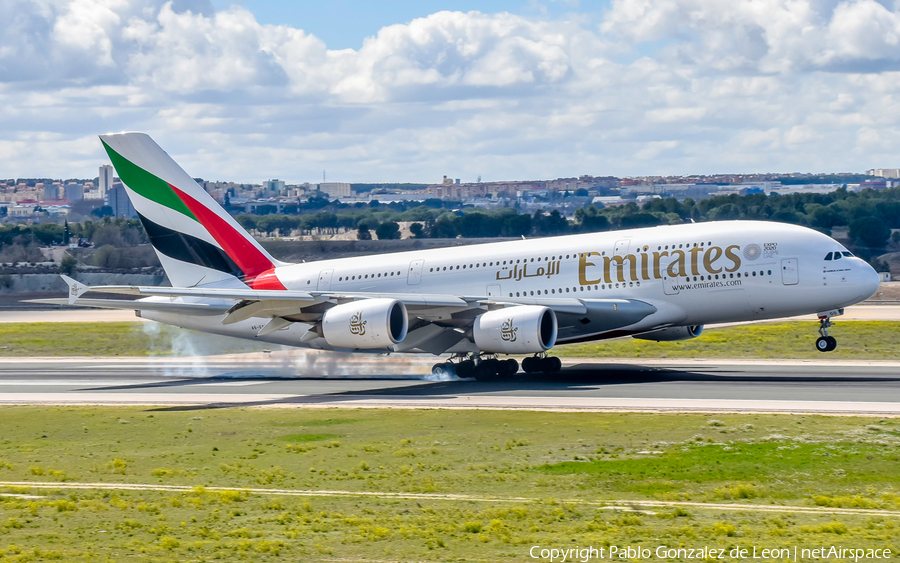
[828,256]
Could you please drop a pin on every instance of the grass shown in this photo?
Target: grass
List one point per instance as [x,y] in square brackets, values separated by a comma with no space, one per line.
[858,340]
[113,339]
[570,466]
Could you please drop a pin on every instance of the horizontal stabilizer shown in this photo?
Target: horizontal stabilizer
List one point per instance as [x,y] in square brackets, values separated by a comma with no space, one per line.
[162,306]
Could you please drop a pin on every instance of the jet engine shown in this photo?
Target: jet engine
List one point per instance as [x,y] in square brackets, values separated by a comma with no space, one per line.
[365,324]
[516,330]
[672,333]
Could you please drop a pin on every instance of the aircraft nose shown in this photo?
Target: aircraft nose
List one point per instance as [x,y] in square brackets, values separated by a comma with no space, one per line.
[869,281]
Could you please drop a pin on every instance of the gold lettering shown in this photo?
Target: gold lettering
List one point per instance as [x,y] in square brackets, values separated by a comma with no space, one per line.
[645,264]
[656,263]
[679,261]
[694,252]
[620,269]
[713,253]
[735,259]
[582,269]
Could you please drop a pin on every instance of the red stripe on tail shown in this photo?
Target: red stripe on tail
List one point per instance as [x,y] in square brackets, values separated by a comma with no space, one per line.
[249,259]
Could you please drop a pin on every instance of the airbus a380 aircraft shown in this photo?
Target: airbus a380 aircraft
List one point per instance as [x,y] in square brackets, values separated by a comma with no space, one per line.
[472,302]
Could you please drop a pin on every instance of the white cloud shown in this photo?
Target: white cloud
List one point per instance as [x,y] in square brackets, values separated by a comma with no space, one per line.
[660,86]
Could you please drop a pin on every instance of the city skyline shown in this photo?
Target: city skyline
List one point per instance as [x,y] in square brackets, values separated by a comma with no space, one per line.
[519,91]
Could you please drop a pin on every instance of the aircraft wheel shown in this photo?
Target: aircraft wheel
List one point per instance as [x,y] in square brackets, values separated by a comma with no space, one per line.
[465,369]
[551,364]
[823,344]
[484,371]
[439,370]
[832,343]
[531,364]
[512,367]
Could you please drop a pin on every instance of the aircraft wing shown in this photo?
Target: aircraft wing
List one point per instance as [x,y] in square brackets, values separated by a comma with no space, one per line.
[442,319]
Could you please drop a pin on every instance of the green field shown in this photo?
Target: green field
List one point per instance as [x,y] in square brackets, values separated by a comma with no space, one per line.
[527,478]
[113,339]
[858,340]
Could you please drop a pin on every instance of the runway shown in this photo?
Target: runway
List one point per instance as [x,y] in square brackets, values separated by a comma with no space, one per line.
[270,380]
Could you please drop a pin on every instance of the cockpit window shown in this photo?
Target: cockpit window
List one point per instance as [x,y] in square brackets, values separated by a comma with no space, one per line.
[837,255]
[828,256]
[847,254]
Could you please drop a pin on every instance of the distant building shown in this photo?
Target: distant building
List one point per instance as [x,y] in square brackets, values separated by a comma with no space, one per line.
[335,189]
[274,185]
[877,184]
[73,192]
[20,211]
[117,198]
[51,191]
[764,186]
[106,181]
[884,172]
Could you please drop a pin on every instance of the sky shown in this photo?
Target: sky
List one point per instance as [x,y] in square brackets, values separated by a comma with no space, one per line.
[409,92]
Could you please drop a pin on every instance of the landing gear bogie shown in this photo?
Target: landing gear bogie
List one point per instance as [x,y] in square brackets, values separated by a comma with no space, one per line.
[478,367]
[545,364]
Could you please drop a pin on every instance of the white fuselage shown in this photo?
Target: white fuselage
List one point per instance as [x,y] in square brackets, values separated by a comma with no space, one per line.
[692,274]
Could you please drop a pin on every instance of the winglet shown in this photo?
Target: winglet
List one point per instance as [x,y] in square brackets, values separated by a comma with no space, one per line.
[76,289]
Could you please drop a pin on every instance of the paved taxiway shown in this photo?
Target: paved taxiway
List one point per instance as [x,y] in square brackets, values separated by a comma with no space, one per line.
[270,380]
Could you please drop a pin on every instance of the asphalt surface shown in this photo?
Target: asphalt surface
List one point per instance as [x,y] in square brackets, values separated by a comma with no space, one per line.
[272,381]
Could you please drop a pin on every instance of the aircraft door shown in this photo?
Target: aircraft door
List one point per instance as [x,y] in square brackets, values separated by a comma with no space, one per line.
[415,272]
[790,271]
[669,285]
[325,280]
[622,247]
[669,282]
[494,291]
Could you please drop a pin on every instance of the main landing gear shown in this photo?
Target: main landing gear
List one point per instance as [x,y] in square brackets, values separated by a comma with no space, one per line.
[493,369]
[481,368]
[541,363]
[825,343]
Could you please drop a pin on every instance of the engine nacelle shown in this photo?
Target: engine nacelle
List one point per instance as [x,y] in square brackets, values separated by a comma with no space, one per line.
[365,324]
[672,333]
[522,329]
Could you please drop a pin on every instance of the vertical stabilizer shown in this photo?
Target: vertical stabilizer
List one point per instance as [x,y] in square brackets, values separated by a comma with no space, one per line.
[196,240]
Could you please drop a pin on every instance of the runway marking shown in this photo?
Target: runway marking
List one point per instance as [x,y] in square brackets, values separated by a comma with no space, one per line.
[603,504]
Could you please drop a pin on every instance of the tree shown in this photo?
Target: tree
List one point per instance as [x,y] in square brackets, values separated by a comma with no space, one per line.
[106,257]
[387,230]
[516,225]
[105,211]
[552,224]
[870,231]
[108,235]
[417,230]
[363,233]
[68,264]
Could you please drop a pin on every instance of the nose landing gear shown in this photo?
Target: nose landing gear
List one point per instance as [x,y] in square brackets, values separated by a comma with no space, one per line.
[826,343]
